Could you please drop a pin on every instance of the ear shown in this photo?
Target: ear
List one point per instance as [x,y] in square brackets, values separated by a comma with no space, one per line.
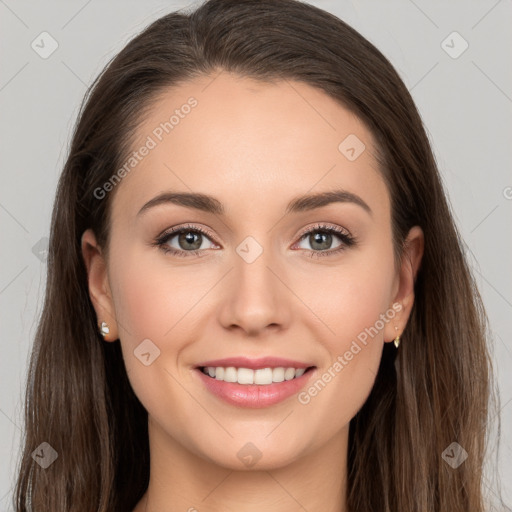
[404,284]
[99,286]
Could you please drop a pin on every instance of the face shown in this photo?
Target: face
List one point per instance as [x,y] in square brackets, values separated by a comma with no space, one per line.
[255,272]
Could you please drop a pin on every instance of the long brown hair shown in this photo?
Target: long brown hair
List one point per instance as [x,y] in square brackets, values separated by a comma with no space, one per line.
[434,391]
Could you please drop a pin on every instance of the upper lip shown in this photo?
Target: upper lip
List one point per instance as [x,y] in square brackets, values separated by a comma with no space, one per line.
[255,364]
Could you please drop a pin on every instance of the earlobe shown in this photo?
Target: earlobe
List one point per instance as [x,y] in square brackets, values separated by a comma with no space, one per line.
[411,262]
[99,288]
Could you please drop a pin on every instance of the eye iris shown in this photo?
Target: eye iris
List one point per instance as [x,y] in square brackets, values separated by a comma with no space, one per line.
[323,239]
[188,237]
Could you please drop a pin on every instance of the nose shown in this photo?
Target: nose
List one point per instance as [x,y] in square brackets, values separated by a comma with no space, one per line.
[254,298]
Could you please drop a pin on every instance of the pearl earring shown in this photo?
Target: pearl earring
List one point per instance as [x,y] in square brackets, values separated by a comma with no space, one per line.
[104,329]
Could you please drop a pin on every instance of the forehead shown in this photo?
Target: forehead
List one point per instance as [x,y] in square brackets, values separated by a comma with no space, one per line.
[250,144]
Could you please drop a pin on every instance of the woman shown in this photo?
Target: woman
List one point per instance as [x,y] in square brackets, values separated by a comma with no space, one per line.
[319,345]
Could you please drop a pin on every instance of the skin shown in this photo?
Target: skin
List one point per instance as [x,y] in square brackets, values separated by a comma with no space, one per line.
[254,147]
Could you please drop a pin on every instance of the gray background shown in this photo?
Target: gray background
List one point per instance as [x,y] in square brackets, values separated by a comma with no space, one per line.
[465,103]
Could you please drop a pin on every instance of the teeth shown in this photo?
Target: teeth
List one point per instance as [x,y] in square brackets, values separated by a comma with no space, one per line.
[278,374]
[263,376]
[230,374]
[289,374]
[245,376]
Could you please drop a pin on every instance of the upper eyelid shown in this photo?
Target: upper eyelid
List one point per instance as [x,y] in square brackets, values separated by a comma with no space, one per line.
[173,231]
[324,226]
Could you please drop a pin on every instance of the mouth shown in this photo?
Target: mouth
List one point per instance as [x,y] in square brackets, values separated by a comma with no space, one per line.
[254,388]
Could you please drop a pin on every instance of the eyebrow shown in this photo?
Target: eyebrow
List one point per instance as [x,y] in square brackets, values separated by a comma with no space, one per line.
[210,204]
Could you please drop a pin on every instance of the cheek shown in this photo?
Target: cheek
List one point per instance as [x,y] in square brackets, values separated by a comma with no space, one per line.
[141,301]
[152,298]
[152,302]
[352,310]
[356,308]
[356,293]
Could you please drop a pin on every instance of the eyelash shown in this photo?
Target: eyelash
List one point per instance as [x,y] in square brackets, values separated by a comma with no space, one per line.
[347,240]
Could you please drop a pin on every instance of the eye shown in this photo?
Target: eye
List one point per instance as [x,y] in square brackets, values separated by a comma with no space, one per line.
[184,241]
[320,239]
[189,240]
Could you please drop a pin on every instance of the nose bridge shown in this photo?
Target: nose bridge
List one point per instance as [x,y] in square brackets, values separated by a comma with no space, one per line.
[252,266]
[255,299]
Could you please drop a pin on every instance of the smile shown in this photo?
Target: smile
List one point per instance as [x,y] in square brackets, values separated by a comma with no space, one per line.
[245,387]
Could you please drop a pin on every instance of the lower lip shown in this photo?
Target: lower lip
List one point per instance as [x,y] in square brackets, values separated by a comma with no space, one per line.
[254,395]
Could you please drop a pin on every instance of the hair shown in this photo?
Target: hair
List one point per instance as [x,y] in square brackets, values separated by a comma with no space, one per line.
[435,390]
